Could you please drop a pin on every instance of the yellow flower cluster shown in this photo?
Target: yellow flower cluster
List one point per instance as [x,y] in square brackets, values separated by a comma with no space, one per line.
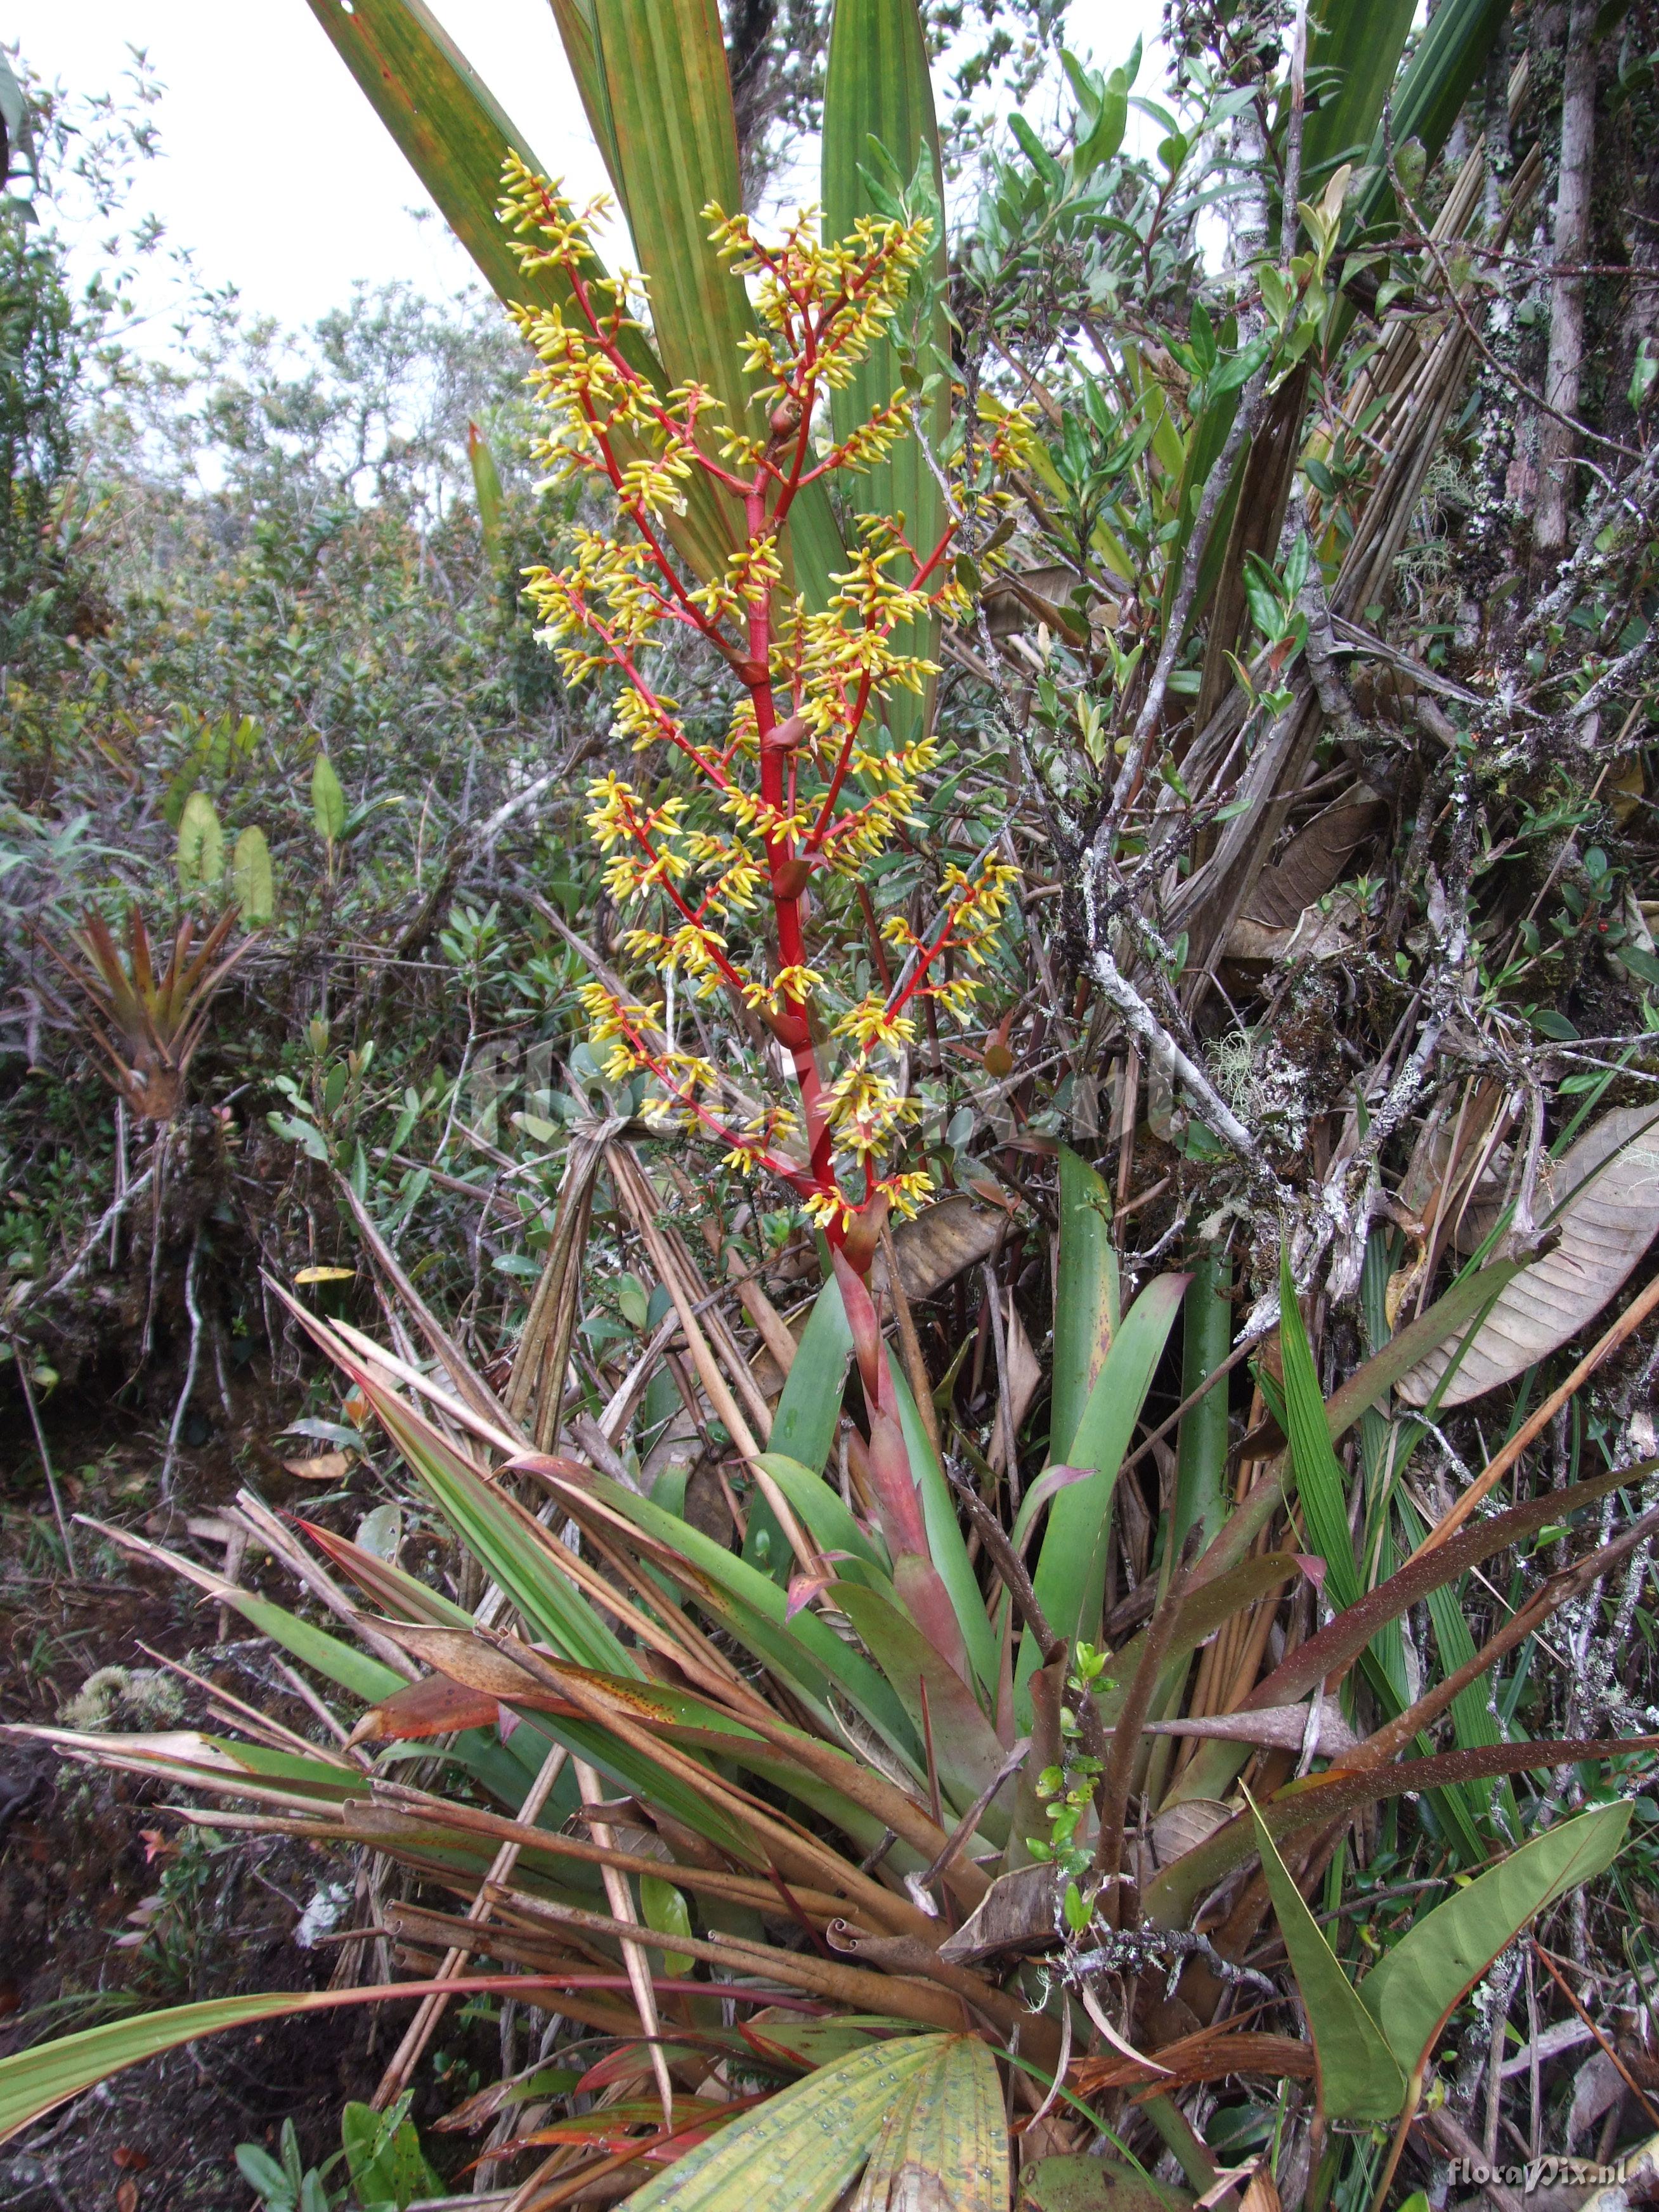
[617,1025]
[652,848]
[752,575]
[813,774]
[821,303]
[974,906]
[864,1109]
[762,1135]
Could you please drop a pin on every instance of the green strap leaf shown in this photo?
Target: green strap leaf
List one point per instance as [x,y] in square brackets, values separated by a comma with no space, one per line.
[1071,1572]
[878,88]
[829,1523]
[945,1543]
[662,74]
[447,125]
[579,35]
[666,1910]
[652,78]
[497,1529]
[1202,1444]
[34,2082]
[965,1746]
[1360,43]
[1467,1299]
[487,489]
[1175,1890]
[1085,1297]
[1432,89]
[803,1649]
[1320,1482]
[367,1678]
[455,135]
[804,1426]
[1358,2077]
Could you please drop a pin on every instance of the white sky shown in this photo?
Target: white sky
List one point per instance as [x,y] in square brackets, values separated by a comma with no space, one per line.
[275,174]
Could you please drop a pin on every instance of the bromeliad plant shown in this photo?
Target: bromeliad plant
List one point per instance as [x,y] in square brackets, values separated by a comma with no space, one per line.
[812,774]
[660,1778]
[147,1021]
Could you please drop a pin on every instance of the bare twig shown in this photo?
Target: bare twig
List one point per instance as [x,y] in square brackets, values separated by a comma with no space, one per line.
[189,1390]
[20,1359]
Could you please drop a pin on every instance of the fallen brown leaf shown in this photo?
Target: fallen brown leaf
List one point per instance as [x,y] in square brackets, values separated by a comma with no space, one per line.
[322,1467]
[1605,1194]
[941,1244]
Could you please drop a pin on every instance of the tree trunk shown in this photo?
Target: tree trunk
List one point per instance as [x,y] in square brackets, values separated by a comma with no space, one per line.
[1569,250]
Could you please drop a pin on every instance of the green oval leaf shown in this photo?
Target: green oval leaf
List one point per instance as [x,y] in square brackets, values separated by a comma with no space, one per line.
[251,880]
[328,807]
[1357,2076]
[201,854]
[666,1911]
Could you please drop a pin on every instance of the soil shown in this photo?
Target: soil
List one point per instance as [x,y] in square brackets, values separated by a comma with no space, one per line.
[109,1902]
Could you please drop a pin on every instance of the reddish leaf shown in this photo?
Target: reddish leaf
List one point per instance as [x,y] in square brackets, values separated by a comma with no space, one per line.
[432,1707]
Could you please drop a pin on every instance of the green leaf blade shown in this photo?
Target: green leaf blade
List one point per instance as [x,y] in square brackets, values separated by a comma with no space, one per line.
[663,67]
[1357,2076]
[804,1426]
[1086,1297]
[1411,1991]
[877,87]
[200,848]
[1321,1484]
[802,2148]
[251,879]
[328,805]
[1071,1572]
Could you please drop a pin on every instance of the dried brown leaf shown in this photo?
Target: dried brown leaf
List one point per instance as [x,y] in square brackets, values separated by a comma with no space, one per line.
[1183,1826]
[1017,1913]
[1034,595]
[1315,934]
[1605,1196]
[939,1244]
[1315,859]
[322,1467]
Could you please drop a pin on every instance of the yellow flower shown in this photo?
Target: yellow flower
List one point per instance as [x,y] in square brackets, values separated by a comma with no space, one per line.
[870,1023]
[864,1109]
[827,1210]
[904,1192]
